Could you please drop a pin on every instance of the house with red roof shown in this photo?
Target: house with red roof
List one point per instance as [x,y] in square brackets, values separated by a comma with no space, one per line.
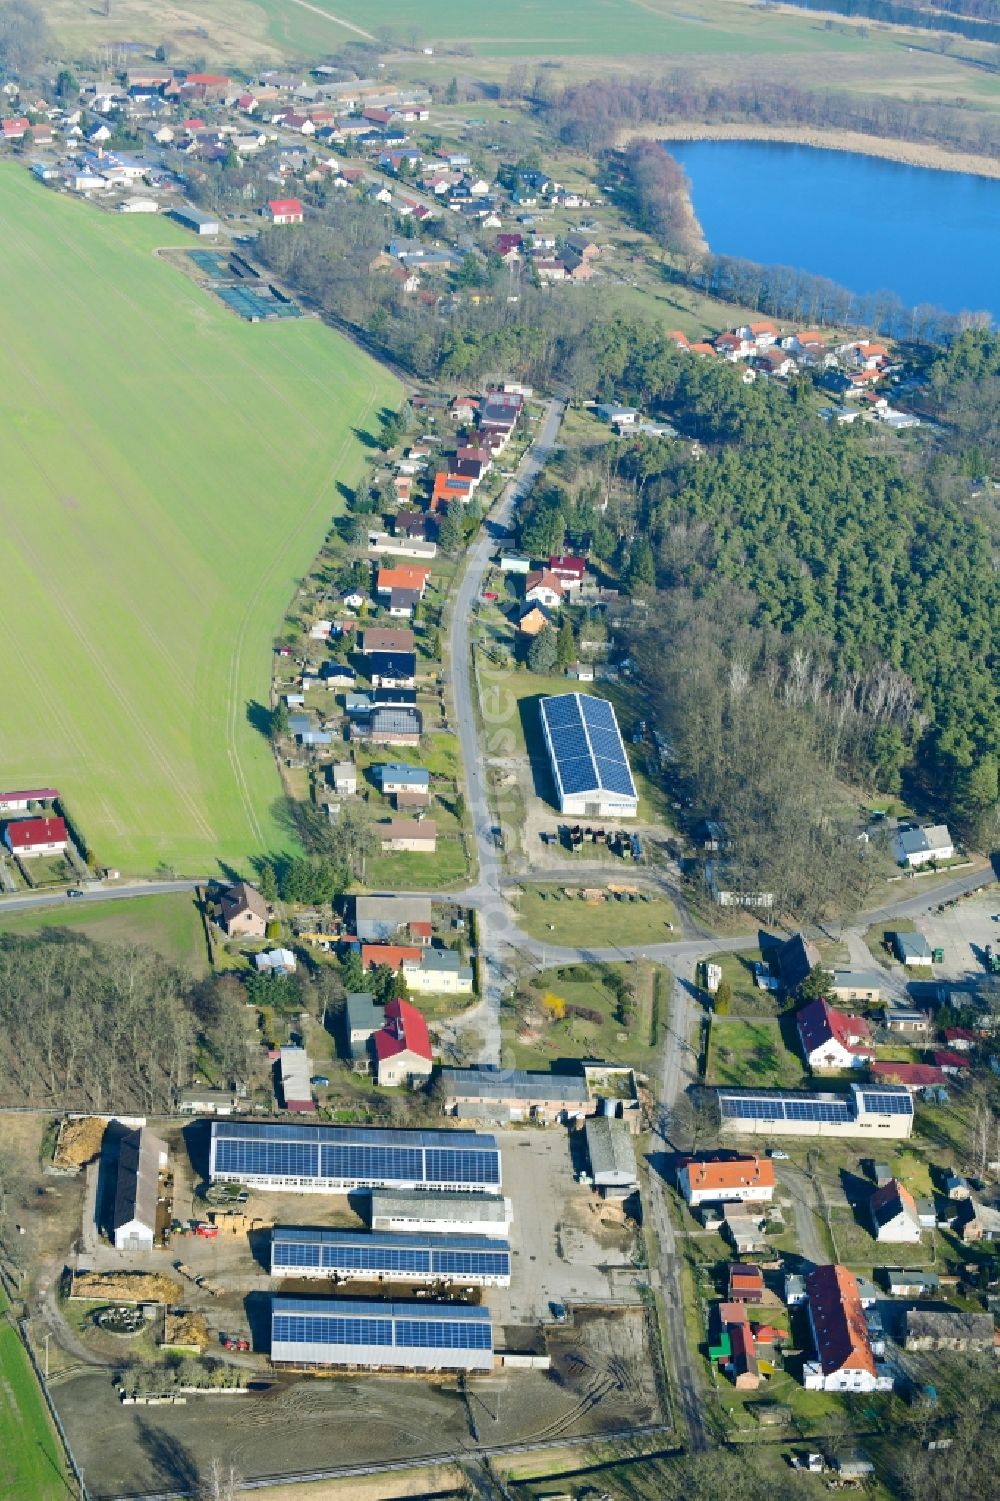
[734,346]
[15,128]
[28,837]
[285,211]
[845,1361]
[570,571]
[831,1039]
[744,1180]
[913,1075]
[17,802]
[543,587]
[388,955]
[403,1046]
[951,1062]
[959,1039]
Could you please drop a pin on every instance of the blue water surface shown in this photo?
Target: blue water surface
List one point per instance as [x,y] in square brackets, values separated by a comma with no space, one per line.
[868,224]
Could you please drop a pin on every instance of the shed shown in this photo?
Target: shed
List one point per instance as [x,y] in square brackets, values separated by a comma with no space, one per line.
[612,1156]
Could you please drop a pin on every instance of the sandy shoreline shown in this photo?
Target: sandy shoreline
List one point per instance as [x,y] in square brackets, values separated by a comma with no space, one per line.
[910,153]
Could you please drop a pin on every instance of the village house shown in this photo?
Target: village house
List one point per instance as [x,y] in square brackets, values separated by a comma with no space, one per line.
[845,1360]
[746,1180]
[405,577]
[906,1020]
[746,1283]
[386,638]
[394,777]
[243,912]
[294,1070]
[855,985]
[543,587]
[408,836]
[362,1019]
[285,211]
[402,1047]
[831,1039]
[30,837]
[438,972]
[399,726]
[893,1213]
[915,847]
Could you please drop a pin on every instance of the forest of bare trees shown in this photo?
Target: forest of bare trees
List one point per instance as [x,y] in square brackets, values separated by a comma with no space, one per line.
[590,116]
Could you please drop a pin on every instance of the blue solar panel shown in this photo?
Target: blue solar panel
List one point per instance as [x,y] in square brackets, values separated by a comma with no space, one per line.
[616,776]
[420,1334]
[888,1104]
[445,1165]
[321,1329]
[398,1164]
[472,1263]
[286,1159]
[586,745]
[561,710]
[597,712]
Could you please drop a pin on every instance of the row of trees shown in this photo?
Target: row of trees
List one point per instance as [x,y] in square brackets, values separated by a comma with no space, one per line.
[591,115]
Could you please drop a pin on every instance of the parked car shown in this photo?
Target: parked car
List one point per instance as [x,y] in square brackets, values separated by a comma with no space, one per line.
[319,1079]
[777,1155]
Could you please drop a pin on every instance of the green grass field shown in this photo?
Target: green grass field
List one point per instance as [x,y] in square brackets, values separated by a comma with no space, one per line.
[169,472]
[578,923]
[31,1462]
[169,924]
[752,1054]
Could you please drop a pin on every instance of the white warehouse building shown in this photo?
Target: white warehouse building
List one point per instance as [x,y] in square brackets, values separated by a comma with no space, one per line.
[441,1213]
[388,1256]
[587,755]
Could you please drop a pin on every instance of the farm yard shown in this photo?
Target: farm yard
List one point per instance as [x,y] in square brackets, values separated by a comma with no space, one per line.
[170,472]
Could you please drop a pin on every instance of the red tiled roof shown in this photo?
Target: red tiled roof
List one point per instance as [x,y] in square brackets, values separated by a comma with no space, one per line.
[839,1320]
[745,1279]
[32,795]
[209,80]
[946,1059]
[742,1172]
[285,206]
[916,1075]
[960,1034]
[389,954]
[819,1022]
[405,1031]
[25,833]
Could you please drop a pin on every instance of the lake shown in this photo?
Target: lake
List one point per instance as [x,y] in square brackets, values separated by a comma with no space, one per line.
[866,223]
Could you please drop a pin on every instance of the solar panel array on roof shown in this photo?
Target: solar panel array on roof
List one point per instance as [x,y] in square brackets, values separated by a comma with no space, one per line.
[305,1250]
[332,1158]
[884,1103]
[585,746]
[784,1107]
[311,1331]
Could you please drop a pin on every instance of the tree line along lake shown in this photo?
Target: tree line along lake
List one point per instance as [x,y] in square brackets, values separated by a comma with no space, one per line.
[868,224]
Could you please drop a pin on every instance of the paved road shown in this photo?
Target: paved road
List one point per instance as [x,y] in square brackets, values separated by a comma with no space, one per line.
[120,891]
[805,1206]
[485,895]
[679,1070]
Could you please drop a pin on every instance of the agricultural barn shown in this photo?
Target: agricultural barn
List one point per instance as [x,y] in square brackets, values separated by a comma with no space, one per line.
[612,1156]
[335,1159]
[36,836]
[194,219]
[386,1256]
[884,1110]
[140,1156]
[410,1336]
[441,1213]
[587,756]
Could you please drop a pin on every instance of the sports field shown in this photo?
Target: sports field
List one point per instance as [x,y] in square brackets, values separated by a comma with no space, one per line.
[169,471]
[31,1461]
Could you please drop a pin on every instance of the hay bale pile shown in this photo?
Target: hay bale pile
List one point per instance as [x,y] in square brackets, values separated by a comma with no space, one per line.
[125,1287]
[79,1141]
[185,1331]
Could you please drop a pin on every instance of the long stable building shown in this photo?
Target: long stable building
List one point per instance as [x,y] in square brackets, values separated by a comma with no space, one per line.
[872,1110]
[440,1213]
[300,1251]
[336,1159]
[407,1336]
[587,755]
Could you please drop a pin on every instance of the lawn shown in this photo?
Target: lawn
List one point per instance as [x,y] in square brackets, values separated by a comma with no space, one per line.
[169,924]
[753,1055]
[170,470]
[533,1040]
[31,1461]
[579,924]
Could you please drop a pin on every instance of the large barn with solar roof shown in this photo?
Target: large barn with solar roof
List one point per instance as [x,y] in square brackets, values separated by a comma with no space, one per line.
[587,755]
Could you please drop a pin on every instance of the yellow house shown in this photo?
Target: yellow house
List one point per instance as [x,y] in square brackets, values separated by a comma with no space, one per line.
[438,972]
